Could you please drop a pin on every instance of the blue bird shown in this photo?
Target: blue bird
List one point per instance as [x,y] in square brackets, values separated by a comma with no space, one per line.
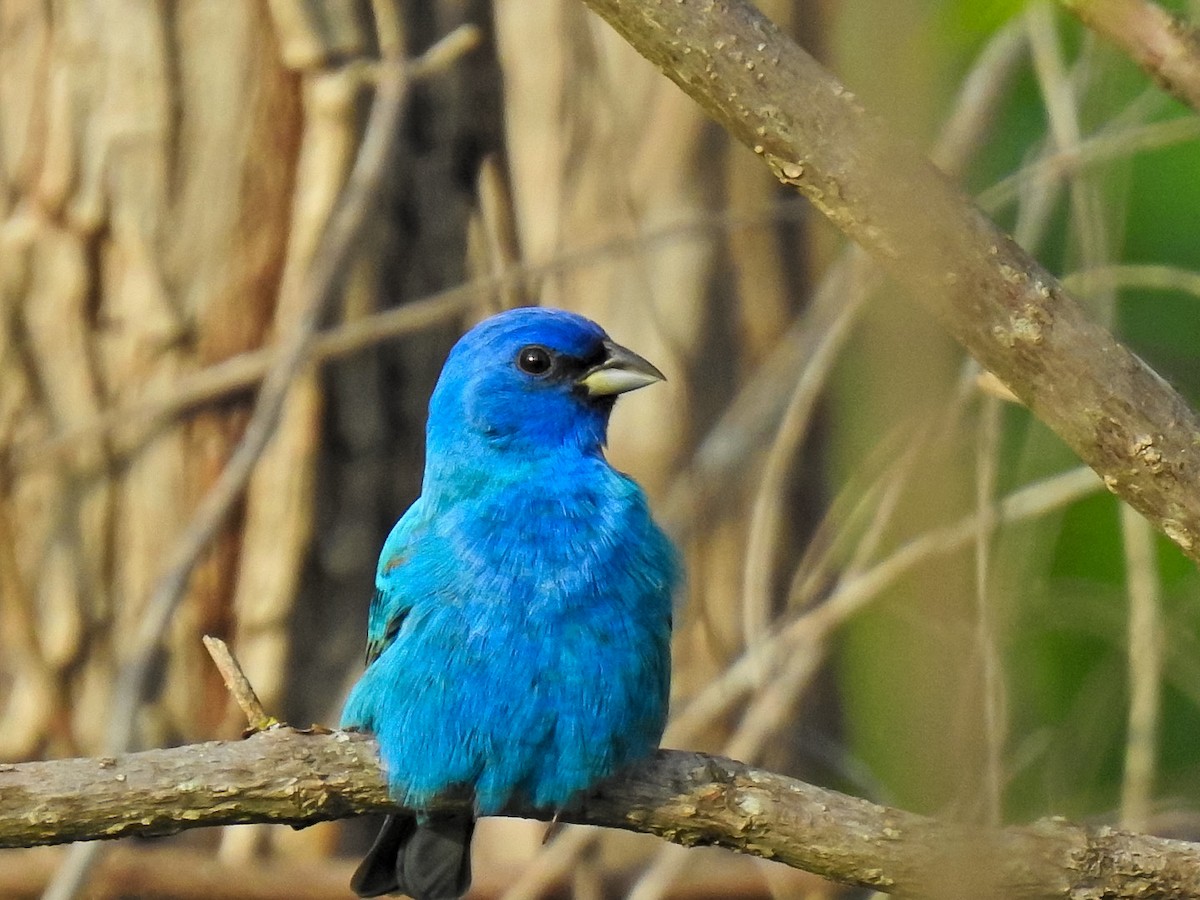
[518,644]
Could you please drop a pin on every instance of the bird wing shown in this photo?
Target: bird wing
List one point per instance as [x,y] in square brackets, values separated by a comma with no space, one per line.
[384,623]
[393,599]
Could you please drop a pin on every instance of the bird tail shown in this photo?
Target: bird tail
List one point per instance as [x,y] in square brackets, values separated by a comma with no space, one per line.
[428,859]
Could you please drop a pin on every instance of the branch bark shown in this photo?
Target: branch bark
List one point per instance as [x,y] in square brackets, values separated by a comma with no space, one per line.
[1166,47]
[1112,409]
[299,778]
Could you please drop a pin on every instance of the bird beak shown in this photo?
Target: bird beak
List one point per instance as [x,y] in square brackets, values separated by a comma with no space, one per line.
[622,370]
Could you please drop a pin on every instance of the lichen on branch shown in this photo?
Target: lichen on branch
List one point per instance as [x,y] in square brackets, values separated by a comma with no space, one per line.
[1017,319]
[296,777]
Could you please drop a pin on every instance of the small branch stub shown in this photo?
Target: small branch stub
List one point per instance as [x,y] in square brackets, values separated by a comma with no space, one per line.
[238,684]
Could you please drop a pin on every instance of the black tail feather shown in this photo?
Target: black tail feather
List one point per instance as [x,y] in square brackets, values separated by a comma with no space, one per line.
[428,860]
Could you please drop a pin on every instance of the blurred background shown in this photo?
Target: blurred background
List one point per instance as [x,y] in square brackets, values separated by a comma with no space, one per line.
[900,584]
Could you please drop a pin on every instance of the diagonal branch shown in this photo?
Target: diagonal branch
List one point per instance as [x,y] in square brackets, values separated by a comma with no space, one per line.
[1112,409]
[1167,48]
[299,778]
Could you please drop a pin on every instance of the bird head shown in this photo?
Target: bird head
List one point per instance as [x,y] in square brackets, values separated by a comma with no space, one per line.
[531,381]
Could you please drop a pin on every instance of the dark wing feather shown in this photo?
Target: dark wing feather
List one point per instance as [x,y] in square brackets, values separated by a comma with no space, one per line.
[390,616]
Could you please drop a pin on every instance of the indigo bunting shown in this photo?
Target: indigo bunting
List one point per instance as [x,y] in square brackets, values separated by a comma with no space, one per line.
[518,640]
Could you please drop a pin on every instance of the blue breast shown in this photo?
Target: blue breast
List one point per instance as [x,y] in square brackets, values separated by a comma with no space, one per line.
[535,658]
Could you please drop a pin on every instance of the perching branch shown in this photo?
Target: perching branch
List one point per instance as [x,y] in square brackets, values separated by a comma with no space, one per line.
[293,777]
[1113,410]
[285,776]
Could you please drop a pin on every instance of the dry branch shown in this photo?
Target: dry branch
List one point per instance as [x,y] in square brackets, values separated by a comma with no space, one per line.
[1113,410]
[1167,48]
[294,777]
[238,684]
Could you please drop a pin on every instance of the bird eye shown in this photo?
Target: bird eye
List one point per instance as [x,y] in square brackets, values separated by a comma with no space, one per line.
[534,360]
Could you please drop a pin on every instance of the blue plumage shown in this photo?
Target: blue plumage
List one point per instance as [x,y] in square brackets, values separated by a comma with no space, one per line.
[518,643]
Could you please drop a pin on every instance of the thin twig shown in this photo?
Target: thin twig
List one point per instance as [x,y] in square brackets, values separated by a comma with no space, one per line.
[141,417]
[1145,664]
[929,438]
[716,697]
[1128,275]
[859,513]
[750,418]
[238,684]
[984,88]
[1090,215]
[987,640]
[766,517]
[1094,151]
[501,250]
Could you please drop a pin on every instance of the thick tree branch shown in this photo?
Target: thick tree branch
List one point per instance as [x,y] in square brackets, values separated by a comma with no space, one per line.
[293,777]
[1167,48]
[1015,318]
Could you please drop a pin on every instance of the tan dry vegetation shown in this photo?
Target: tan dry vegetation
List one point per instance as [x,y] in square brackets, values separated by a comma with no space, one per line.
[168,174]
